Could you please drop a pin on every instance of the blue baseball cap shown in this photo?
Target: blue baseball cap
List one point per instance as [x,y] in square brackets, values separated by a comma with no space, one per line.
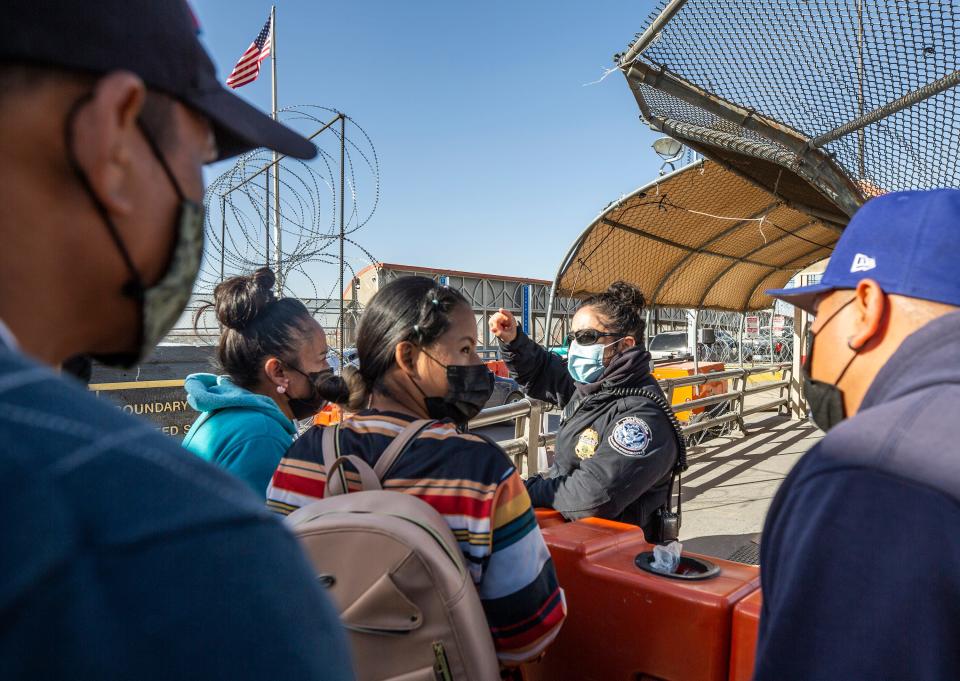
[908,242]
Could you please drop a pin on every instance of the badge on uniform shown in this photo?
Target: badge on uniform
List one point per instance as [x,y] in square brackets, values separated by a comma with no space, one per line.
[587,444]
[631,436]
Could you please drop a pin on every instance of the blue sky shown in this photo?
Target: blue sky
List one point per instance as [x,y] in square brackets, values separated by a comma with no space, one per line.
[493,153]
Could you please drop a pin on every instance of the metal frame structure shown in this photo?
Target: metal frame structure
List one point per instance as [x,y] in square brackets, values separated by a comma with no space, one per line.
[787,148]
[892,56]
[488,293]
[275,165]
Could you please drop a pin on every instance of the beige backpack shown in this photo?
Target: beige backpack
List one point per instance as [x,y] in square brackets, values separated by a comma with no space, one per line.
[395,573]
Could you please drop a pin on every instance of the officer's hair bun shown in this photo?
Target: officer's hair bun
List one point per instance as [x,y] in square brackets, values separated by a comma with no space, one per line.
[626,294]
[622,303]
[239,301]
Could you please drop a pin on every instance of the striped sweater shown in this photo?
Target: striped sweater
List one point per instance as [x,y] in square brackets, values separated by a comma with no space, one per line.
[477,490]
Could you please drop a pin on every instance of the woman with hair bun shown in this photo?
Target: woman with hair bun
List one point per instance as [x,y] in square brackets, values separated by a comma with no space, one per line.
[417,351]
[617,447]
[273,356]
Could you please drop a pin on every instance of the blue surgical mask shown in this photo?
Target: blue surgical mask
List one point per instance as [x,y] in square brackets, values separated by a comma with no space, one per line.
[585,362]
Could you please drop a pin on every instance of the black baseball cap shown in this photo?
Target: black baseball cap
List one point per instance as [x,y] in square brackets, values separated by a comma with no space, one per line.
[155,39]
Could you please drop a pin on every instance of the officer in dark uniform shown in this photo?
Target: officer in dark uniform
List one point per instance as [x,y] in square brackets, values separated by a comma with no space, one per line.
[618,444]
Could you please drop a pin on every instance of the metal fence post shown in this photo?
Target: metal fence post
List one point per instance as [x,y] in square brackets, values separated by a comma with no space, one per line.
[796,404]
[787,375]
[743,321]
[520,427]
[696,342]
[741,401]
[772,311]
[532,436]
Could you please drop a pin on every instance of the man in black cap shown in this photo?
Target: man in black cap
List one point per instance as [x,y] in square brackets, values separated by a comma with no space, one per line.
[124,557]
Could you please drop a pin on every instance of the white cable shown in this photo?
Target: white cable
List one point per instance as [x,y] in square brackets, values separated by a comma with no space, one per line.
[721,217]
[603,77]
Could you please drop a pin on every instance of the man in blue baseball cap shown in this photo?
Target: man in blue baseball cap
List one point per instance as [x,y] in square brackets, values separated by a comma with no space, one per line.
[122,556]
[861,546]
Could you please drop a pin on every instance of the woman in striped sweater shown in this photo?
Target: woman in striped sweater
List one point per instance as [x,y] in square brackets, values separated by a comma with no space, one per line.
[417,354]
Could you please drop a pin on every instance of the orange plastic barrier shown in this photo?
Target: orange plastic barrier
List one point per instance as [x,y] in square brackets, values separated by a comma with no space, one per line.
[688,393]
[625,624]
[499,368]
[743,649]
[329,415]
[547,517]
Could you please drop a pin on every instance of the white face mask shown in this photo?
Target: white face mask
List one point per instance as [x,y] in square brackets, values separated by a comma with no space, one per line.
[585,362]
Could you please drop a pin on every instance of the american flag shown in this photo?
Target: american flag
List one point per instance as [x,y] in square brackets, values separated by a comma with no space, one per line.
[248,68]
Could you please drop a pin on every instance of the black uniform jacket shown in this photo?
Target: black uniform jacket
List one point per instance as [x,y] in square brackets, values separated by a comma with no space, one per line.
[615,454]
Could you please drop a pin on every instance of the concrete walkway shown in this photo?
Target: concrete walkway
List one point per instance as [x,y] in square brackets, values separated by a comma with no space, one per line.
[732,480]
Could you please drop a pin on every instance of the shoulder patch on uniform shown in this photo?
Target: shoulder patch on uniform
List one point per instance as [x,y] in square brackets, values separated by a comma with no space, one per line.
[631,436]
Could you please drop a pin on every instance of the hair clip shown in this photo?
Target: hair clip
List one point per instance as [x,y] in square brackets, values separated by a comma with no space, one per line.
[416,329]
[435,302]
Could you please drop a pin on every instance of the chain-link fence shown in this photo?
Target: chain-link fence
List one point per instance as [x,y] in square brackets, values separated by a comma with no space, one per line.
[824,103]
[727,338]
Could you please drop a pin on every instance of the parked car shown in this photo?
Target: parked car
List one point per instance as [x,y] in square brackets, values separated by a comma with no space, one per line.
[505,391]
[675,346]
[349,358]
[669,346]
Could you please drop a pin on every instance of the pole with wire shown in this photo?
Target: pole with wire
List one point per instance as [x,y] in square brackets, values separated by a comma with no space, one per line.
[266,216]
[277,234]
[223,234]
[343,235]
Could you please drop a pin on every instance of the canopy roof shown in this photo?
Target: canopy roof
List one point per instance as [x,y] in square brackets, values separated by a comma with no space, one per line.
[701,237]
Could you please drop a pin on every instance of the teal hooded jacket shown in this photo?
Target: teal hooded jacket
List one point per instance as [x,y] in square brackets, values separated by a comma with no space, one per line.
[240,431]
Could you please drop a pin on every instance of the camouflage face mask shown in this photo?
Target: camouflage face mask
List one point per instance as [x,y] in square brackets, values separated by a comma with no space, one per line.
[161,304]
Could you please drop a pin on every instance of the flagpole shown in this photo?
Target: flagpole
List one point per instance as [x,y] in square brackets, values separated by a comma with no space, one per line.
[276,159]
[343,146]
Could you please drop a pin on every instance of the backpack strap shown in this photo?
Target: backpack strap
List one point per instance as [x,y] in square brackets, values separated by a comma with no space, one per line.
[399,446]
[330,448]
[370,477]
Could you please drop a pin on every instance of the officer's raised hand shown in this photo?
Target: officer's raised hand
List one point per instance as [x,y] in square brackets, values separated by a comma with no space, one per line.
[503,325]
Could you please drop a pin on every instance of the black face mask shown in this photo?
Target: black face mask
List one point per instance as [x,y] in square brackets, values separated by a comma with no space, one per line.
[468,390]
[325,387]
[825,399]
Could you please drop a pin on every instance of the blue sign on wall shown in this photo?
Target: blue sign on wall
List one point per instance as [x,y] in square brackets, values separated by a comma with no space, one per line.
[443,280]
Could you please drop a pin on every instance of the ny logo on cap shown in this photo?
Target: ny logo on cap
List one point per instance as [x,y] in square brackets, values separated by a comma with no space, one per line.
[862,263]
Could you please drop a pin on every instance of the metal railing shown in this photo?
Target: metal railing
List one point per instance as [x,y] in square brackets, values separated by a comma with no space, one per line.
[735,396]
[527,414]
